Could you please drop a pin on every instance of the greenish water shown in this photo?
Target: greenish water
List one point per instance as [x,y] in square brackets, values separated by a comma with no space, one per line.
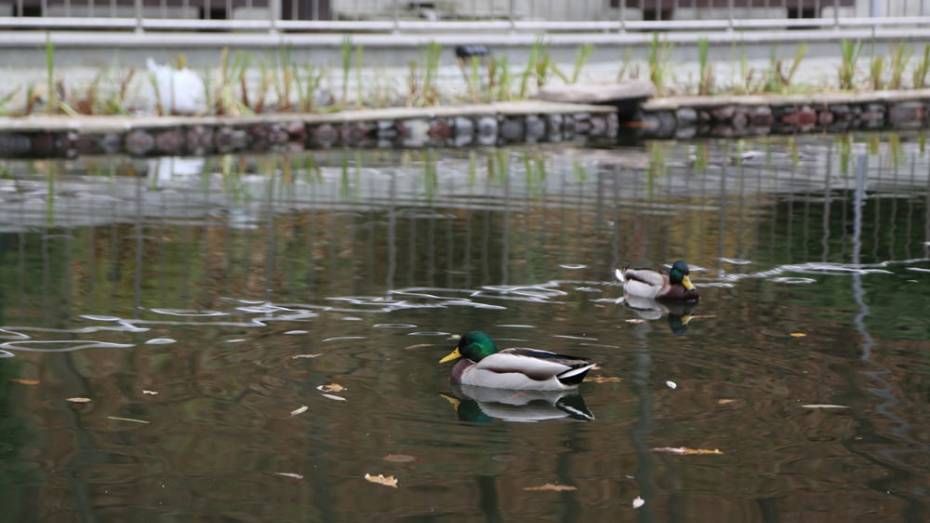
[198,303]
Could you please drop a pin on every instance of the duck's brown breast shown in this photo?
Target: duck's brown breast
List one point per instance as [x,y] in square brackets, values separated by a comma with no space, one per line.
[459,369]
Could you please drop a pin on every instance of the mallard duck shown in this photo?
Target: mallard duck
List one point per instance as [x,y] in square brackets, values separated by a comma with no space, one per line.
[482,405]
[483,365]
[648,283]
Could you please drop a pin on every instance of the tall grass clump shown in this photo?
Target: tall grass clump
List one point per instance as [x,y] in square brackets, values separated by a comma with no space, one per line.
[52,106]
[706,71]
[919,74]
[849,53]
[346,66]
[530,67]
[581,58]
[431,74]
[876,70]
[780,76]
[900,56]
[658,62]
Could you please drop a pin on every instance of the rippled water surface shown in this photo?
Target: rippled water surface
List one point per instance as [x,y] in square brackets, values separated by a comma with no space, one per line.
[255,334]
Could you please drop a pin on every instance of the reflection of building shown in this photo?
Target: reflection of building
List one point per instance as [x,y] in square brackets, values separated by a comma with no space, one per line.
[545,10]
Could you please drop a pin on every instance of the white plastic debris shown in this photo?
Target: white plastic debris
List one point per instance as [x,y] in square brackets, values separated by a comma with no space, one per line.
[180,91]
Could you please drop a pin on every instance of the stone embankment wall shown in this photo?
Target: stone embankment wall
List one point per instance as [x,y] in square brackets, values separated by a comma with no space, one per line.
[735,116]
[480,125]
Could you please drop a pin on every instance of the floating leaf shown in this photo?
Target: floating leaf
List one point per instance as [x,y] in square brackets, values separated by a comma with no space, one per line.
[824,406]
[671,384]
[638,502]
[295,332]
[78,400]
[299,356]
[25,381]
[685,451]
[635,321]
[299,410]
[550,487]
[331,387]
[292,475]
[333,397]
[797,335]
[131,420]
[399,458]
[725,401]
[149,392]
[380,479]
[604,379]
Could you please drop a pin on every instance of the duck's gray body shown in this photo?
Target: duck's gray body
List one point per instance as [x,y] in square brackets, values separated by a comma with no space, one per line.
[523,369]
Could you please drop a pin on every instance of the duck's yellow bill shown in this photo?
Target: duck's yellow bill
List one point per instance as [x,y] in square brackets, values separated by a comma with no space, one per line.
[686,319]
[686,281]
[452,356]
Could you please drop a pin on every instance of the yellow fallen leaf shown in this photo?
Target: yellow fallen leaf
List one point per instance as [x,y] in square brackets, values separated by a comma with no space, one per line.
[550,487]
[299,356]
[331,387]
[725,401]
[299,410]
[380,479]
[797,334]
[399,458]
[635,321]
[685,451]
[25,381]
[333,397]
[78,400]
[149,392]
[604,379]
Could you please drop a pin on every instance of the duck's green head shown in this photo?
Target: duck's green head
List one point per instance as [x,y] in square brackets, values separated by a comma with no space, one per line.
[679,274]
[473,345]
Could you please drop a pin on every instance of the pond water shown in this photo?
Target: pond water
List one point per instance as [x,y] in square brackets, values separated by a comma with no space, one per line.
[255,334]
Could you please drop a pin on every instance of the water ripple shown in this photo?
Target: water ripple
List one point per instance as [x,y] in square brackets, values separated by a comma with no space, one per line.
[61,345]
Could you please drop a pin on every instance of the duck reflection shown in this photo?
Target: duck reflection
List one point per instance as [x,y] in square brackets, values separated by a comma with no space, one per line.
[483,405]
[679,313]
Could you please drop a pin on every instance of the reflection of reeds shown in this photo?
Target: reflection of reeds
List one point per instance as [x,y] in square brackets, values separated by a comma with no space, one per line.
[430,176]
[845,143]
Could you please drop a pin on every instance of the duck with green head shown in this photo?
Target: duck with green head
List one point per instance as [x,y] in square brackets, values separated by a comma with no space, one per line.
[648,283]
[483,365]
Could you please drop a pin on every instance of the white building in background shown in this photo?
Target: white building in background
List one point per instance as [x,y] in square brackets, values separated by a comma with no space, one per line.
[547,10]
